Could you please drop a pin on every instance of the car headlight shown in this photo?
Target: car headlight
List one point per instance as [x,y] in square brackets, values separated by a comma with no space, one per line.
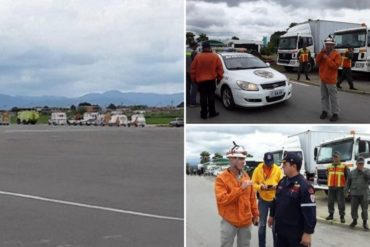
[248,86]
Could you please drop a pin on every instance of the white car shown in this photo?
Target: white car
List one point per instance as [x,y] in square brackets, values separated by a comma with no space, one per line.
[250,82]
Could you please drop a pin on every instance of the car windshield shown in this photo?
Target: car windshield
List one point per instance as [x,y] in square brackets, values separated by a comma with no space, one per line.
[354,39]
[288,43]
[235,62]
[326,151]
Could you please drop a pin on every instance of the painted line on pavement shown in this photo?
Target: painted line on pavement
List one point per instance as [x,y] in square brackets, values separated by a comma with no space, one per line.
[300,83]
[7,193]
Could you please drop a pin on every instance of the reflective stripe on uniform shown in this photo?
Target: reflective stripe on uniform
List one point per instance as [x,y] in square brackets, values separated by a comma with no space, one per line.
[308,205]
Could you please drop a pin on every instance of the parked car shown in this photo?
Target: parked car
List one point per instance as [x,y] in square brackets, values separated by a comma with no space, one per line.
[178,122]
[250,82]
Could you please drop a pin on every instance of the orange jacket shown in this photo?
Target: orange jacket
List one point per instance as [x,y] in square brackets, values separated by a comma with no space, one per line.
[346,60]
[235,205]
[206,66]
[328,66]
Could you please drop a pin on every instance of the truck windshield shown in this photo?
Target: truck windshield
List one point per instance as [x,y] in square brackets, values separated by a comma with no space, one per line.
[326,152]
[353,39]
[277,157]
[235,62]
[288,43]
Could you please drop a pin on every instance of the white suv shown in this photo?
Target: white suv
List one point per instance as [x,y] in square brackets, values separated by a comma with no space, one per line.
[250,82]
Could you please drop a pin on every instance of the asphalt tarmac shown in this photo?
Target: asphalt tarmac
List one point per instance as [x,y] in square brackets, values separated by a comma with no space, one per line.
[91,186]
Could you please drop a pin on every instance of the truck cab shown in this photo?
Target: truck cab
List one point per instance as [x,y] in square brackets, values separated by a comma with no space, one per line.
[279,156]
[350,147]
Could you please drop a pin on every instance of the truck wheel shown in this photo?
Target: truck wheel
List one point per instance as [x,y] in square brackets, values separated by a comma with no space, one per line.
[18,121]
[310,66]
[227,98]
[288,68]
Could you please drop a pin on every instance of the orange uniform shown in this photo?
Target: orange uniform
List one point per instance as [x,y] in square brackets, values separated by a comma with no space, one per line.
[328,67]
[206,66]
[235,205]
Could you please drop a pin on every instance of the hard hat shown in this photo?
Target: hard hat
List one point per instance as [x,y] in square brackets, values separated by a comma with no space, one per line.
[236,151]
[329,41]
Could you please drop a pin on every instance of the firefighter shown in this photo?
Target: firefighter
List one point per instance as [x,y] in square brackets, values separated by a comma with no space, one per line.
[346,69]
[357,185]
[293,210]
[337,174]
[236,200]
[304,56]
[265,178]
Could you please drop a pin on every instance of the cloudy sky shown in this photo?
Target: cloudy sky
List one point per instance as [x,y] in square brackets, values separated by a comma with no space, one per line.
[253,19]
[256,139]
[74,47]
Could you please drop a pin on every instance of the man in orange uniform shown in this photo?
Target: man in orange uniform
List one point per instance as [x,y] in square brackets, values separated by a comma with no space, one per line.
[265,178]
[329,61]
[337,175]
[206,68]
[347,69]
[236,200]
[304,56]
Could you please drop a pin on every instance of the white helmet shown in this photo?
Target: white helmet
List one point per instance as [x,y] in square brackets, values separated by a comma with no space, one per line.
[237,151]
[329,41]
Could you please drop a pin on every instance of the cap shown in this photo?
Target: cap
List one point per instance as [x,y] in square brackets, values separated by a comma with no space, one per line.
[292,158]
[337,154]
[236,151]
[329,41]
[268,158]
[360,160]
[206,45]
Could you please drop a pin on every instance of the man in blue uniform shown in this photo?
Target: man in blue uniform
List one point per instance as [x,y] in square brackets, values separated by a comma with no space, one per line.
[293,211]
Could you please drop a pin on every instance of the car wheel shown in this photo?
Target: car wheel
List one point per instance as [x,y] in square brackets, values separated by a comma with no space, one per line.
[227,98]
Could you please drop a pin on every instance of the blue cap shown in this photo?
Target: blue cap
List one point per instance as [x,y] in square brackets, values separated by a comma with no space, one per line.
[206,45]
[293,158]
[268,158]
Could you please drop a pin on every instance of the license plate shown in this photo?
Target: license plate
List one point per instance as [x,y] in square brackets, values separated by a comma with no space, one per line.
[276,93]
[359,65]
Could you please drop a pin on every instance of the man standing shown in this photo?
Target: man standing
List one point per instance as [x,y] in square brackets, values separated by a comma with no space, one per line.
[358,186]
[347,69]
[329,61]
[304,56]
[293,211]
[337,174]
[265,178]
[206,68]
[236,200]
[193,86]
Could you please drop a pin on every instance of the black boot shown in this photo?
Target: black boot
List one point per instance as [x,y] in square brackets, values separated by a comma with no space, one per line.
[342,220]
[334,118]
[330,217]
[323,115]
[338,86]
[366,227]
[354,223]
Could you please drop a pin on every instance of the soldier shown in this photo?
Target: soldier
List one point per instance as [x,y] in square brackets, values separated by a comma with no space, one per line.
[346,69]
[293,210]
[337,174]
[358,186]
[304,56]
[236,201]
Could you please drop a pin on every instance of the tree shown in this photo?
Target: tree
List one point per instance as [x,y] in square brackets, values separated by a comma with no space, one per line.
[84,104]
[190,38]
[235,38]
[204,157]
[217,156]
[293,24]
[73,108]
[112,107]
[202,37]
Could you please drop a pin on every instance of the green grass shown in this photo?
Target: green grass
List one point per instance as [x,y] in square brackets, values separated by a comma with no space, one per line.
[42,120]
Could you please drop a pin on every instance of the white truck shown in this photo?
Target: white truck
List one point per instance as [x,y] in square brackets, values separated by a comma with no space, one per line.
[350,146]
[304,144]
[358,39]
[138,120]
[118,120]
[58,118]
[310,33]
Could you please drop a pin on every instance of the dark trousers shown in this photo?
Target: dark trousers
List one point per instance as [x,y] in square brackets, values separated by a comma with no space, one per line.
[357,201]
[336,193]
[303,66]
[346,74]
[207,97]
[286,240]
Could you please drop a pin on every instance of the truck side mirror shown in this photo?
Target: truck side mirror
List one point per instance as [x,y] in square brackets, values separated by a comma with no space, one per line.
[315,153]
[362,146]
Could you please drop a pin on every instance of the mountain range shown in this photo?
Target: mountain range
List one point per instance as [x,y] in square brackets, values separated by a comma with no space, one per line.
[102,99]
